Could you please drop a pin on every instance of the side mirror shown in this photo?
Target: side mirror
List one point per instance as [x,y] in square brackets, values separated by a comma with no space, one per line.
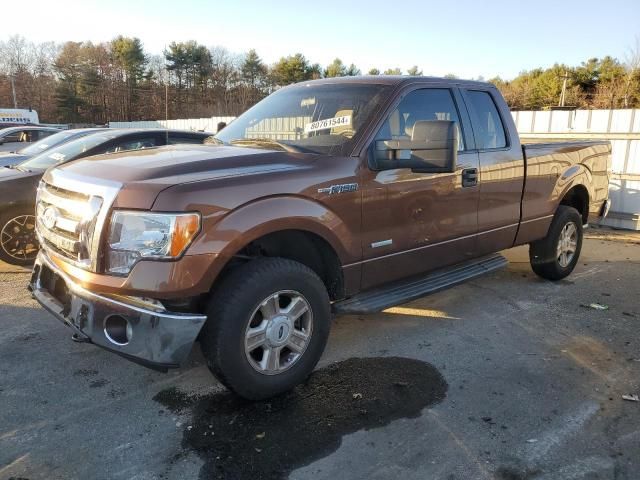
[433,148]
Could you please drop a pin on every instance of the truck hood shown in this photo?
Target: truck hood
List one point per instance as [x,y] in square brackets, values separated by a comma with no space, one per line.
[145,173]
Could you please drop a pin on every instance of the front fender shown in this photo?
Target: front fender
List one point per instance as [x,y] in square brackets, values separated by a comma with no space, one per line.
[240,227]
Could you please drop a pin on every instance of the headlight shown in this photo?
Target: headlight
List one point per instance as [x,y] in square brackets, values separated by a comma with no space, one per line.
[137,235]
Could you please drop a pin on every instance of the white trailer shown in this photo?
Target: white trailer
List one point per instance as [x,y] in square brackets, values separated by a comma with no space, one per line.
[18,116]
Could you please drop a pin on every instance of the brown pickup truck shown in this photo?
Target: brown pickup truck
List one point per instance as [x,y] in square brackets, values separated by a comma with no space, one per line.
[334,196]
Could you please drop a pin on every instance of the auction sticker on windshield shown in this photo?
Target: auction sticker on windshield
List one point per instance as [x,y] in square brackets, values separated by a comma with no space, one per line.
[327,123]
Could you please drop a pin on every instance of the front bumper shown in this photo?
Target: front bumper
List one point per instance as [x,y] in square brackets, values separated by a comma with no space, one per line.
[155,337]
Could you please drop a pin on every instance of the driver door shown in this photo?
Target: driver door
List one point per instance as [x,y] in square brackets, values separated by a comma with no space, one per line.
[416,222]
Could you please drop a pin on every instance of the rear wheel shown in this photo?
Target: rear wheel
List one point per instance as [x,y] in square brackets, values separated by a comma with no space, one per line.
[267,327]
[18,242]
[555,256]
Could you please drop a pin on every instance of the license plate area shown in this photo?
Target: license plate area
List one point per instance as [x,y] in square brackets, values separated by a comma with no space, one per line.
[55,285]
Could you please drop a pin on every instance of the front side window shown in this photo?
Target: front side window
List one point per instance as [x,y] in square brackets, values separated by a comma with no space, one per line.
[420,105]
[17,136]
[312,118]
[487,124]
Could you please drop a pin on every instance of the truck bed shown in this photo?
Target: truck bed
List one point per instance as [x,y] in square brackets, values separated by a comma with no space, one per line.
[552,165]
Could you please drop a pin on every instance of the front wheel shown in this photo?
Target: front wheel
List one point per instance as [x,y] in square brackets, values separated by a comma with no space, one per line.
[18,242]
[555,256]
[267,327]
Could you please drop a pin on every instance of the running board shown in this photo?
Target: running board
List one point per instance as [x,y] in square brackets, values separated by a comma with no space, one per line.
[404,291]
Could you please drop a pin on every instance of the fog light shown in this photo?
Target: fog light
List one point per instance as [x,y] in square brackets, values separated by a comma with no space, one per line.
[117,329]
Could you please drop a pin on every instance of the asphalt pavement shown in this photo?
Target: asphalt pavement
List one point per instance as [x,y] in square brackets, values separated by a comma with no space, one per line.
[507,377]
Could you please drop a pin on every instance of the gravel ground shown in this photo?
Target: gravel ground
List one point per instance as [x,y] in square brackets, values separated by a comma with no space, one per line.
[506,377]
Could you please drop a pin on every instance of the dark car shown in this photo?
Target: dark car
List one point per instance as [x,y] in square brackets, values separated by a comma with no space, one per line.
[41,146]
[15,138]
[18,184]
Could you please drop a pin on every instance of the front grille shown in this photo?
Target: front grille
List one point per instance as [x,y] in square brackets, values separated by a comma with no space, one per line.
[66,220]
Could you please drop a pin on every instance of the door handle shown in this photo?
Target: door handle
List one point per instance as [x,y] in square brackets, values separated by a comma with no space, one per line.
[469,177]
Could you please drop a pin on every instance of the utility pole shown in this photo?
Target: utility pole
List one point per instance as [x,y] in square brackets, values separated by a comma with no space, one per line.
[166,109]
[563,95]
[166,95]
[166,103]
[13,90]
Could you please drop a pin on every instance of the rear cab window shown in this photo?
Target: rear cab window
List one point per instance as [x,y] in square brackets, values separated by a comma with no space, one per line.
[39,135]
[133,144]
[182,138]
[487,124]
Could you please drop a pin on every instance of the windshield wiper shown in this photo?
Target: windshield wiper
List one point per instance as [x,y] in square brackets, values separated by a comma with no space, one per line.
[264,142]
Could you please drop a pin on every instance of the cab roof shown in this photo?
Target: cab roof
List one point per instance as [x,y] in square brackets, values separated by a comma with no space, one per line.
[396,80]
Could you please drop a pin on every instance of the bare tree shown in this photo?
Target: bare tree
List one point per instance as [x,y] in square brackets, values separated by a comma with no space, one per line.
[632,60]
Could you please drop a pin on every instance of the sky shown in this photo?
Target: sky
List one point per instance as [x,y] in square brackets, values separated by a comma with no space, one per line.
[464,37]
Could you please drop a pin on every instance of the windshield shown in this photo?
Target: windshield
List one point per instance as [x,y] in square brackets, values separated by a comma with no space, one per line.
[65,152]
[46,143]
[307,118]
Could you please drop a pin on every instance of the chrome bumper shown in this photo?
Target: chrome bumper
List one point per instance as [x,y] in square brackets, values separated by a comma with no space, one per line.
[157,339]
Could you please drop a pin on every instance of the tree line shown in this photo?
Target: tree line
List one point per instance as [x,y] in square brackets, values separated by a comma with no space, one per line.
[596,83]
[94,83]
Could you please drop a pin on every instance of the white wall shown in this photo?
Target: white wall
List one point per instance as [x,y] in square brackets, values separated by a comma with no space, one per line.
[195,124]
[620,127]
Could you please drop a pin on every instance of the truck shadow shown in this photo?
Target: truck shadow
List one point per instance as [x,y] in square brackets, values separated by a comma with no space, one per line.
[269,439]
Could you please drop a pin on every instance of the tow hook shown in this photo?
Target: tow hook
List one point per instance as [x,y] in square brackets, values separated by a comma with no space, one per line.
[78,336]
[80,339]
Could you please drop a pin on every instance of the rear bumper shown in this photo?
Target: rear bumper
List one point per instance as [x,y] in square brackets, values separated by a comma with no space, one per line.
[606,206]
[597,216]
[154,338]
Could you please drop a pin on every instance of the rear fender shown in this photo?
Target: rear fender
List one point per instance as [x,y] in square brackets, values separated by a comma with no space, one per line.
[573,176]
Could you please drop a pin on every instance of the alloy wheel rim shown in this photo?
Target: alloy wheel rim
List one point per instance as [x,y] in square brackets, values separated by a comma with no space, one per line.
[18,239]
[279,332]
[567,244]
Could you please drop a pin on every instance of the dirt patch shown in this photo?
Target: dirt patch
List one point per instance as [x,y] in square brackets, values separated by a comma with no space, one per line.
[175,400]
[267,440]
[28,337]
[612,235]
[98,383]
[510,473]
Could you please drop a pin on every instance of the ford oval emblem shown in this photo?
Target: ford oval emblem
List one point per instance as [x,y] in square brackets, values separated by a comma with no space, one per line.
[50,217]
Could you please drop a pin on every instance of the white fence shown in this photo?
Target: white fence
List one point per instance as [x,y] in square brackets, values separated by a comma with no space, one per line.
[621,127]
[195,124]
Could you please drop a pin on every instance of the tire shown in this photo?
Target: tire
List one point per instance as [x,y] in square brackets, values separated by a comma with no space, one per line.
[546,255]
[243,312]
[18,242]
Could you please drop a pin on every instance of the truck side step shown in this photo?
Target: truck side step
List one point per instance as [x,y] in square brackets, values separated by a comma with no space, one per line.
[404,291]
